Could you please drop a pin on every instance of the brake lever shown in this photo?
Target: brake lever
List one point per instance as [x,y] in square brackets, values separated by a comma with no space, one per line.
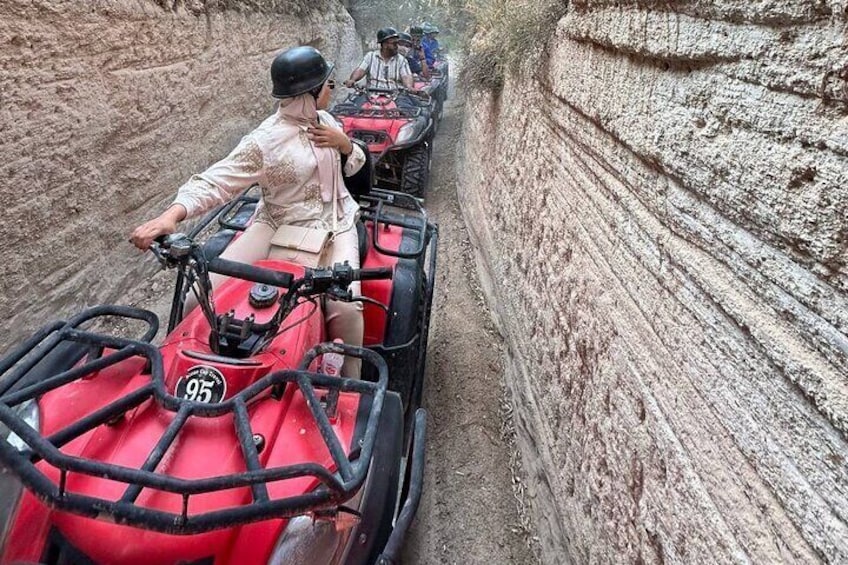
[336,292]
[160,256]
[179,246]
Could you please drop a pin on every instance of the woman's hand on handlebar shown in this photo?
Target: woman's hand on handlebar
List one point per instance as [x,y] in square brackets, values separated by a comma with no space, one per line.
[144,234]
[164,224]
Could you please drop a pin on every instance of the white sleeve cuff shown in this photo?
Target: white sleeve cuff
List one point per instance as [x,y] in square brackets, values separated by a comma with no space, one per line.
[354,161]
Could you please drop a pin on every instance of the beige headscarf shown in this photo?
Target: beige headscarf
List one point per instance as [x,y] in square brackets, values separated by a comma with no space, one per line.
[303,111]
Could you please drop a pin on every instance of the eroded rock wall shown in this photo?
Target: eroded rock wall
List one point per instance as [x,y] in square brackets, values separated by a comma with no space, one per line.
[663,217]
[105,109]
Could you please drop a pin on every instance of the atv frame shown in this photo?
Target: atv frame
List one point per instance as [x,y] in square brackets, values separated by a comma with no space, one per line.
[63,353]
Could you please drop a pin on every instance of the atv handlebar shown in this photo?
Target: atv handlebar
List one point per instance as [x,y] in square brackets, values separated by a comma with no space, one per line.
[232,336]
[378,90]
[174,248]
[251,273]
[372,274]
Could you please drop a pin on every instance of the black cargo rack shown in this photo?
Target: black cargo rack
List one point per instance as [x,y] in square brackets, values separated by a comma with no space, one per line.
[347,110]
[336,486]
[374,210]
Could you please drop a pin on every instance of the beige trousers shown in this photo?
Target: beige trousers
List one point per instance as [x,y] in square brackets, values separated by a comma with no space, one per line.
[343,319]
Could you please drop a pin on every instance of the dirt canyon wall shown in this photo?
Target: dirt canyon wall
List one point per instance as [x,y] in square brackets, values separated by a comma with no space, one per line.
[105,109]
[661,207]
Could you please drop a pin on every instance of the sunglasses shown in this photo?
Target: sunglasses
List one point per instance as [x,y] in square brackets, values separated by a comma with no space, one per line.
[331,84]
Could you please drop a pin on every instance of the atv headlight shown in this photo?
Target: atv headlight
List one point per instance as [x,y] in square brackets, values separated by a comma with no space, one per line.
[306,541]
[10,486]
[407,132]
[28,412]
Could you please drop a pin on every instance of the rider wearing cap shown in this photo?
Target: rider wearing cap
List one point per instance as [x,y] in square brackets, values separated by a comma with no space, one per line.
[385,68]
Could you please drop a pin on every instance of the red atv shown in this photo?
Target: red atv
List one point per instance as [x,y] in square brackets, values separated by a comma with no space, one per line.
[398,128]
[225,444]
[440,76]
[434,89]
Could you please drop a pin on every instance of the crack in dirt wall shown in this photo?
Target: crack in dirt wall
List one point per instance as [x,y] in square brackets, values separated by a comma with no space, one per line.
[662,217]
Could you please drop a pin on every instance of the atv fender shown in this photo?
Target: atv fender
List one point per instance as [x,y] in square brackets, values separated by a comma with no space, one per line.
[380,493]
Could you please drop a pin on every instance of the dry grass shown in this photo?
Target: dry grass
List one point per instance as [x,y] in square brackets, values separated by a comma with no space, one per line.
[510,35]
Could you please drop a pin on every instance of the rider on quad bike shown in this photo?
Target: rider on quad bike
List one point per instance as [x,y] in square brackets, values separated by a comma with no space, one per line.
[434,83]
[384,68]
[436,61]
[294,156]
[392,116]
[415,56]
[232,441]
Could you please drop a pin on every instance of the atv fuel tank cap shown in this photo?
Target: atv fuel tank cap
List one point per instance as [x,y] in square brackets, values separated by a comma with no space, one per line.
[263,295]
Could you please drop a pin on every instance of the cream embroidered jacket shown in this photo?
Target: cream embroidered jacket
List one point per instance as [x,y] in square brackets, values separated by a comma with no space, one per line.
[278,157]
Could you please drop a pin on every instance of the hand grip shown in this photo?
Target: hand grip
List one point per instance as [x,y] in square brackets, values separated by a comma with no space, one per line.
[250,273]
[373,274]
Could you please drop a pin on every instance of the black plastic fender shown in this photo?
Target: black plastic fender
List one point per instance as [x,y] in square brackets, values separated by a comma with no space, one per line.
[380,491]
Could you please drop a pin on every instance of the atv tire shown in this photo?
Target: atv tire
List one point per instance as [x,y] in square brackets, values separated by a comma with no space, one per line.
[416,170]
[380,492]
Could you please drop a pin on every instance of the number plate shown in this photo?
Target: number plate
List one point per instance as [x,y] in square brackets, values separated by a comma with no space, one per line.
[202,384]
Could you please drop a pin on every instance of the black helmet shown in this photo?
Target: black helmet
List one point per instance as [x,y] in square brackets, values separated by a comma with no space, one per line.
[298,71]
[404,38]
[386,33]
[416,31]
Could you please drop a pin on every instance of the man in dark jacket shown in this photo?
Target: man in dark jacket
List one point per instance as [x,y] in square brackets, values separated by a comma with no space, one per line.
[416,51]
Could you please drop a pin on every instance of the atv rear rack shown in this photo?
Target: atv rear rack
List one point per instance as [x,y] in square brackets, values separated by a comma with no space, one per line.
[336,487]
[374,209]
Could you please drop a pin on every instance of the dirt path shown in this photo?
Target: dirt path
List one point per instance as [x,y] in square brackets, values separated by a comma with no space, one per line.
[468,513]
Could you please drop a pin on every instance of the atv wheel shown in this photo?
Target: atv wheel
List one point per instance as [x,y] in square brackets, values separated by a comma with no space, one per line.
[380,493]
[416,170]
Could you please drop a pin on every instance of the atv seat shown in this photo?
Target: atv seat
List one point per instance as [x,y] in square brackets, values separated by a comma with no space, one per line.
[217,243]
[360,184]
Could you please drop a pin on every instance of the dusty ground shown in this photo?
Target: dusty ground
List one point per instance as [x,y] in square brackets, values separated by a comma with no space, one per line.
[470,509]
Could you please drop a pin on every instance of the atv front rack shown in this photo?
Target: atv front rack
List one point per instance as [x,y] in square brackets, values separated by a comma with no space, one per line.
[48,341]
[348,110]
[337,485]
